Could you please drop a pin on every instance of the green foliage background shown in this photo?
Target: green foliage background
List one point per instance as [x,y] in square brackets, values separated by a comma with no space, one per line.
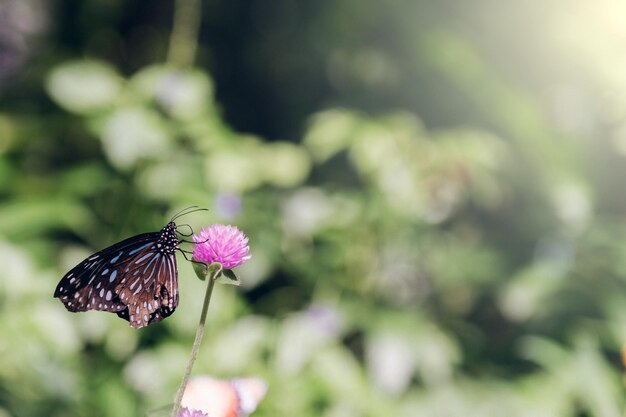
[432,190]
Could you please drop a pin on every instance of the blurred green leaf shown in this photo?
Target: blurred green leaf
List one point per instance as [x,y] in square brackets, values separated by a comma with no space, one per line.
[84,87]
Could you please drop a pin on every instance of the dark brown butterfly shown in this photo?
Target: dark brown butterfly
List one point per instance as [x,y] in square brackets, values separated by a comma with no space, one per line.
[136,278]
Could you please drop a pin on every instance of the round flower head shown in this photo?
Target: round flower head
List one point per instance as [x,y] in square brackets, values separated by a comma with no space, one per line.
[187,412]
[224,244]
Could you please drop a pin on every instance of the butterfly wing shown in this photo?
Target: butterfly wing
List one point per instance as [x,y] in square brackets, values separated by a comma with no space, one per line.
[136,278]
[150,289]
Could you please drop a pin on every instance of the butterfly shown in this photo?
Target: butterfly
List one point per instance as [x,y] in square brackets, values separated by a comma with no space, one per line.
[136,278]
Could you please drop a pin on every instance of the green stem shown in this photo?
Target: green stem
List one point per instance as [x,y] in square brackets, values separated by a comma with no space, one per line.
[184,37]
[196,342]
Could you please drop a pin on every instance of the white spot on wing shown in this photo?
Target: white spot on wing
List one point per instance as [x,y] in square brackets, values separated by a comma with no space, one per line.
[143,258]
[117,257]
[132,252]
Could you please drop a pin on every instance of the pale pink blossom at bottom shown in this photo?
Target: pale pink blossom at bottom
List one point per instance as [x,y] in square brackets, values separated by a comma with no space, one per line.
[237,397]
[186,412]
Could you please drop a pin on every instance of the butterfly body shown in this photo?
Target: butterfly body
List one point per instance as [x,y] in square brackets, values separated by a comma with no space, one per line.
[136,278]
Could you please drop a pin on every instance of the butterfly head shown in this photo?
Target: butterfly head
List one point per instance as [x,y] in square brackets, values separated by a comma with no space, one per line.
[168,241]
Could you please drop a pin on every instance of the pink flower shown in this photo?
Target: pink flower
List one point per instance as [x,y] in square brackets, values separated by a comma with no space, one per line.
[189,412]
[237,397]
[224,244]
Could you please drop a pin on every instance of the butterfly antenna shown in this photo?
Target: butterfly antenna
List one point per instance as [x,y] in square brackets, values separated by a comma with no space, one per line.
[186,211]
[178,213]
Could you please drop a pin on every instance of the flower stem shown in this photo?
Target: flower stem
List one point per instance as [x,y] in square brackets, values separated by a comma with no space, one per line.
[196,342]
[184,36]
